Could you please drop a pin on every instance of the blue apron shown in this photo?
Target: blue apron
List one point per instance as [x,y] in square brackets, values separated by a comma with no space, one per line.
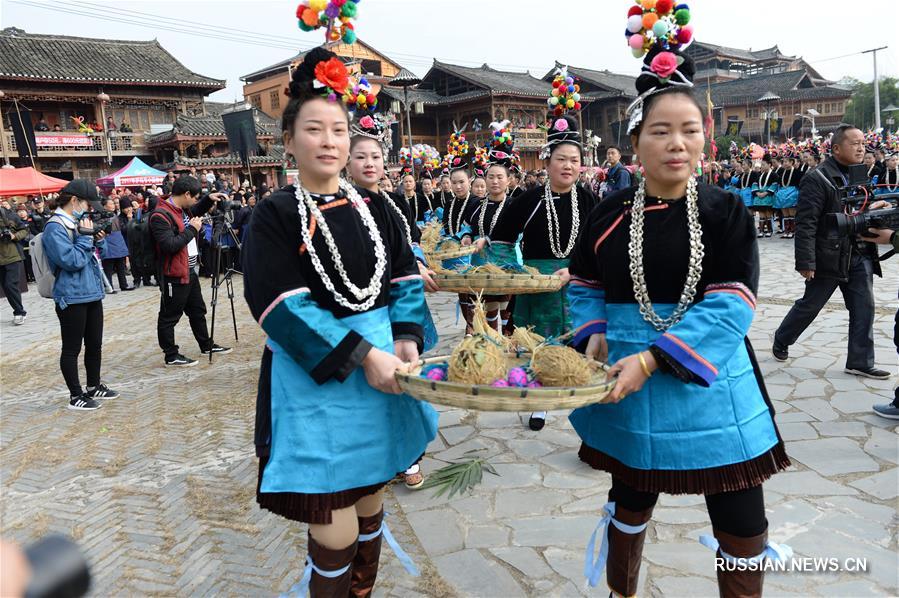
[341,435]
[786,197]
[671,425]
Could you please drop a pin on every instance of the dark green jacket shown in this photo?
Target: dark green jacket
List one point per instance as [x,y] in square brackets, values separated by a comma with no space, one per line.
[9,250]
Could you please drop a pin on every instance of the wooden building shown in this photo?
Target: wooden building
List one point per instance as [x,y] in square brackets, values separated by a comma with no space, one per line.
[200,142]
[474,97]
[264,89]
[717,64]
[60,78]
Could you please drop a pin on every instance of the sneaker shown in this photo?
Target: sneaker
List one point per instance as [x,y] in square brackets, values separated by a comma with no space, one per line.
[180,360]
[780,352]
[112,292]
[102,392]
[131,288]
[889,410]
[537,421]
[83,402]
[218,350]
[869,373]
[18,320]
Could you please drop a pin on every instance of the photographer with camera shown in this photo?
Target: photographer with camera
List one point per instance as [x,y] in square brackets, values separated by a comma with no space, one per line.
[68,243]
[174,225]
[827,262]
[12,232]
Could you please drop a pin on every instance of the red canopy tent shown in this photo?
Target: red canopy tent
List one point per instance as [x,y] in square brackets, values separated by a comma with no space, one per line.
[27,181]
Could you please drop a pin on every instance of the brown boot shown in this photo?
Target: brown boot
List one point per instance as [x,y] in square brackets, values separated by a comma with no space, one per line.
[626,552]
[740,583]
[330,561]
[365,565]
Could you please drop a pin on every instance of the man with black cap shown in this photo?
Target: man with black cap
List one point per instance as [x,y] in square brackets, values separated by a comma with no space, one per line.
[12,231]
[175,225]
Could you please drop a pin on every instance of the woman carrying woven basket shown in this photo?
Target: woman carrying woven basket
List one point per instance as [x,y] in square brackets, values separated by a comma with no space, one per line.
[548,221]
[664,281]
[454,225]
[368,135]
[484,213]
[332,280]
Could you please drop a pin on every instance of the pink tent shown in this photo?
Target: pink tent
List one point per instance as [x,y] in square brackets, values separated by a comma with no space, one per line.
[134,174]
[27,181]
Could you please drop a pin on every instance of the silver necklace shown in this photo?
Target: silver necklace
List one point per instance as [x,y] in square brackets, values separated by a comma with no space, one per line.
[554,229]
[402,216]
[789,180]
[493,220]
[635,252]
[449,217]
[368,295]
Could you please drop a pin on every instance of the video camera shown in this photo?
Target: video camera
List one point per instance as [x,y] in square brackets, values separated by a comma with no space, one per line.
[102,223]
[7,234]
[855,196]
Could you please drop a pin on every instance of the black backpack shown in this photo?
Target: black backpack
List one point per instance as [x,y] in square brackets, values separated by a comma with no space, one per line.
[142,245]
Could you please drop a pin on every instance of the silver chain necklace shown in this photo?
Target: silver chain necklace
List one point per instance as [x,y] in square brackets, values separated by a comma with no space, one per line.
[372,291]
[484,203]
[399,212]
[635,251]
[552,220]
[449,216]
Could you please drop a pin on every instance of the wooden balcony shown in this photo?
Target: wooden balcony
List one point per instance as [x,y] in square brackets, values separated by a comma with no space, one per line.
[71,144]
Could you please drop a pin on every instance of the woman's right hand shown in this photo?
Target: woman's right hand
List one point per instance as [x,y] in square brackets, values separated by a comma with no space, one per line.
[597,348]
[380,371]
[87,223]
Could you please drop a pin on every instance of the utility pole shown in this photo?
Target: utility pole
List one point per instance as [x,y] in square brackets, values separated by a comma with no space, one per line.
[876,86]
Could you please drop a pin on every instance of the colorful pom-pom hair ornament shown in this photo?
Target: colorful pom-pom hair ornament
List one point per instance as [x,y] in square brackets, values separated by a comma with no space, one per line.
[362,103]
[566,93]
[335,16]
[658,31]
[501,145]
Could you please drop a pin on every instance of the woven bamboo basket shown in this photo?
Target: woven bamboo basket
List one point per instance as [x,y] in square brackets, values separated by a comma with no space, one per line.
[498,284]
[449,254]
[489,398]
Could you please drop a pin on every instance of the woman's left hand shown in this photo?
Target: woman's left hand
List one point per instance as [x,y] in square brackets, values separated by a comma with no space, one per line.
[631,376]
[564,274]
[406,350]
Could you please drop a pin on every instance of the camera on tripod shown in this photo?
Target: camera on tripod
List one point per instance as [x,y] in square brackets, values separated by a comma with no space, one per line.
[856,195]
[225,209]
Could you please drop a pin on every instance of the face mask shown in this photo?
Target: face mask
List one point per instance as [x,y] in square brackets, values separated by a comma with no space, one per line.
[77,214]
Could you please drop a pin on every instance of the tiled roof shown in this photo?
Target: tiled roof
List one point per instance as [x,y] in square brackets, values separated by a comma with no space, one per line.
[430,98]
[282,65]
[275,155]
[498,82]
[616,82]
[210,126]
[31,56]
[789,85]
[749,55]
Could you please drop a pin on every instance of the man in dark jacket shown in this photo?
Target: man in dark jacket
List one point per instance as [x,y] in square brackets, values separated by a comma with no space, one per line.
[618,176]
[12,231]
[174,225]
[827,262]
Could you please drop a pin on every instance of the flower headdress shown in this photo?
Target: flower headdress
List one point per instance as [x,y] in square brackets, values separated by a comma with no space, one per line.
[321,73]
[457,149]
[501,145]
[334,15]
[658,31]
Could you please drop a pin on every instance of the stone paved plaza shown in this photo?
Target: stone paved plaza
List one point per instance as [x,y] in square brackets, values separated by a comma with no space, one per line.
[158,486]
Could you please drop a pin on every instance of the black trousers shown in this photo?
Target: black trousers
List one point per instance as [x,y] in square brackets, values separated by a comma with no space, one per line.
[177,300]
[740,513]
[117,265]
[858,295]
[10,274]
[81,323]
[29,267]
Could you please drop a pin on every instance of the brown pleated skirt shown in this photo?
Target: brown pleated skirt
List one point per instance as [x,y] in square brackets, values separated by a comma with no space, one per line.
[713,480]
[309,508]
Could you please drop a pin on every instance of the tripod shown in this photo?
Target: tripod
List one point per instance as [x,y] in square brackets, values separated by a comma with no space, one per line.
[218,228]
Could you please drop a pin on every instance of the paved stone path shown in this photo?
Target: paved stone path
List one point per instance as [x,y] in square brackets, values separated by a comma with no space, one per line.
[158,486]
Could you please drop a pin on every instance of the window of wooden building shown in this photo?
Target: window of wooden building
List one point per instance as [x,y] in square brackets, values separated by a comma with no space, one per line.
[274,99]
[256,101]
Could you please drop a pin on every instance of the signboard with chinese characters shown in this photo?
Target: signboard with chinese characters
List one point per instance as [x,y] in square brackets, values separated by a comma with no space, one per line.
[63,139]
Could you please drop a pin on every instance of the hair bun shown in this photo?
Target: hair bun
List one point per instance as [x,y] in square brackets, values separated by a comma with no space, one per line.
[304,73]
